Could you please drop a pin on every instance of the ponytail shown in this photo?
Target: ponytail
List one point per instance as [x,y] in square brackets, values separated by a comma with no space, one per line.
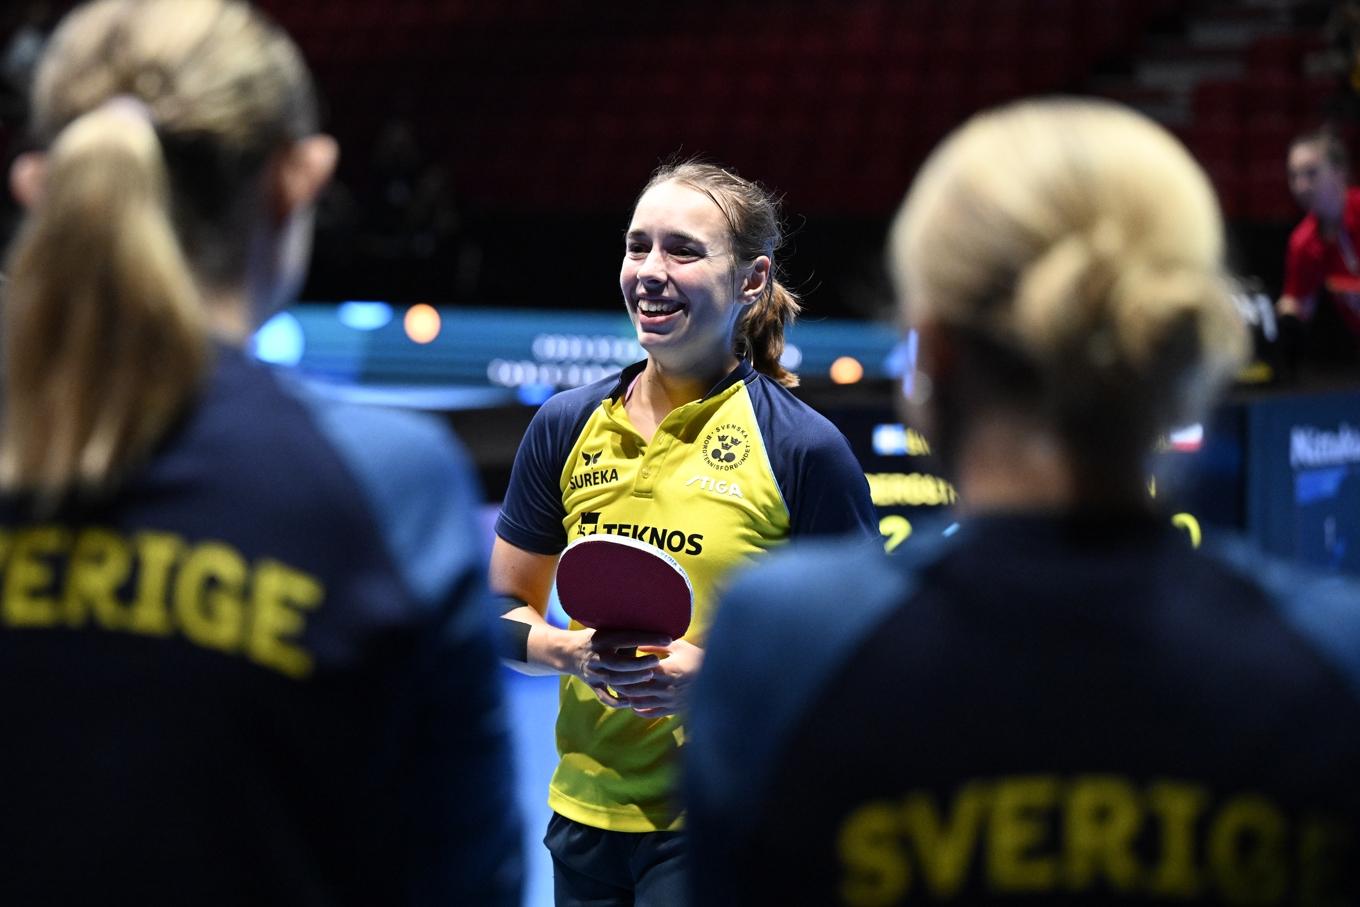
[104,340]
[761,333]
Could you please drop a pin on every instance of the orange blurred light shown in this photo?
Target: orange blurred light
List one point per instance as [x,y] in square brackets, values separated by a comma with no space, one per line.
[846,370]
[422,323]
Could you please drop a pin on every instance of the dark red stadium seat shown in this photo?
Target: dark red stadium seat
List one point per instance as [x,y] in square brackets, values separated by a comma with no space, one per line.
[1218,140]
[1229,181]
[1267,195]
[827,92]
[1218,100]
[1268,137]
[1275,54]
[1273,93]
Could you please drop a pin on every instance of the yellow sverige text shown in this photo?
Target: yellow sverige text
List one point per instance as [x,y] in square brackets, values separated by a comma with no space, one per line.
[158,584]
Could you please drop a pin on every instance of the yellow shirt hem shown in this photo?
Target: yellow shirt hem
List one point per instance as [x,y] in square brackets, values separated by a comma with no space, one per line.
[623,818]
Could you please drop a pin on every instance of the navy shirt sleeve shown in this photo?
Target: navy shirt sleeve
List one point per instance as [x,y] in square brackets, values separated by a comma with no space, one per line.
[1323,608]
[823,484]
[531,515]
[456,797]
[832,497]
[747,699]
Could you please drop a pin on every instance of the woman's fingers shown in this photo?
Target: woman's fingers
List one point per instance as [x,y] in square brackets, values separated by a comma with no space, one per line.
[618,670]
[623,661]
[650,705]
[651,694]
[626,639]
[603,694]
[624,670]
[618,678]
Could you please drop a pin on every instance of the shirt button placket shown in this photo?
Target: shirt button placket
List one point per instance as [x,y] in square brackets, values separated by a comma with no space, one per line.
[651,466]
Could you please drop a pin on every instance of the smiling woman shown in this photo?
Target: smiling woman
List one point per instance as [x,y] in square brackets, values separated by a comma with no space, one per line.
[700,449]
[683,293]
[712,237]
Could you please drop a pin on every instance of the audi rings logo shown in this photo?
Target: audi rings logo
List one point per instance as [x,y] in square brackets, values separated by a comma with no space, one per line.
[727,447]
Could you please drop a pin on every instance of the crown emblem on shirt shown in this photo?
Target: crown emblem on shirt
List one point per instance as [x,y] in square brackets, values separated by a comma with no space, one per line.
[727,446]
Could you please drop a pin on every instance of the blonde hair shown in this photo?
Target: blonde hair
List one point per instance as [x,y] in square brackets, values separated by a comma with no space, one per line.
[159,117]
[752,215]
[1079,244]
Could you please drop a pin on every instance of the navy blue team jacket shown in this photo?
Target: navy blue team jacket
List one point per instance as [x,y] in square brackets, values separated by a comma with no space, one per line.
[1038,710]
[261,674]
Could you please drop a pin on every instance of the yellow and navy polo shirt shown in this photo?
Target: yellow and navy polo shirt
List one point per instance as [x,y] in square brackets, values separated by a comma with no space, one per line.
[723,479]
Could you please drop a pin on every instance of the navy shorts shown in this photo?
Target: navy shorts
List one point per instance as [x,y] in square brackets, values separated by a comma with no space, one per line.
[593,867]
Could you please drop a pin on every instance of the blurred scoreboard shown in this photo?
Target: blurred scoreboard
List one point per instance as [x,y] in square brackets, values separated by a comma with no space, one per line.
[458,356]
[1282,467]
[1197,476]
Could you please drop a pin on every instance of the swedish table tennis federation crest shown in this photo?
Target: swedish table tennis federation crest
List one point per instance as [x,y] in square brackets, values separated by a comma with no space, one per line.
[727,447]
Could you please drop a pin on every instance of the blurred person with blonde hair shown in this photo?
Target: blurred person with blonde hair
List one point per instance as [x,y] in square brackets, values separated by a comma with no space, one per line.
[244,647]
[1058,699]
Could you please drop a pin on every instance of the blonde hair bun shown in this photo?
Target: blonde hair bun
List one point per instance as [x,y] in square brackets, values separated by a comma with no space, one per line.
[1084,238]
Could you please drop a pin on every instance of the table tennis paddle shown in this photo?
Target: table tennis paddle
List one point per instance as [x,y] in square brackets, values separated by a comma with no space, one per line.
[616,583]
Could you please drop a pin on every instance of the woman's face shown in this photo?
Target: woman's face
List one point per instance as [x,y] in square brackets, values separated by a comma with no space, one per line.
[680,282]
[1316,184]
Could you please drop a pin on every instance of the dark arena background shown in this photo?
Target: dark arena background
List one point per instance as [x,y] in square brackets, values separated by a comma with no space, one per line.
[467,256]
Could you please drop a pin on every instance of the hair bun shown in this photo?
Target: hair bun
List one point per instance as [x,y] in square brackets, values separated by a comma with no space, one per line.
[1100,311]
[1060,297]
[1082,240]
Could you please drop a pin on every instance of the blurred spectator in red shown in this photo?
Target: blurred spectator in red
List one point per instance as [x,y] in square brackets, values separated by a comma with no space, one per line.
[1322,263]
